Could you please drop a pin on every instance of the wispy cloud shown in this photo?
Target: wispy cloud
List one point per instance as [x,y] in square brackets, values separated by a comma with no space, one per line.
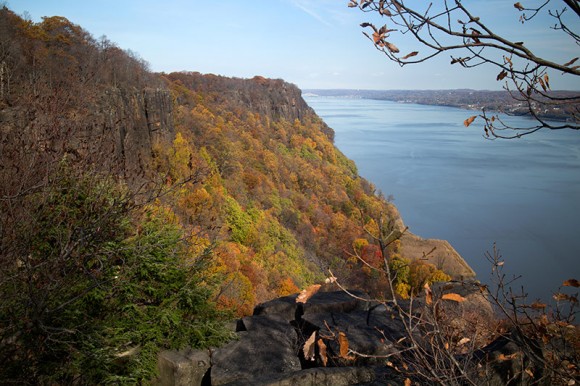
[309,8]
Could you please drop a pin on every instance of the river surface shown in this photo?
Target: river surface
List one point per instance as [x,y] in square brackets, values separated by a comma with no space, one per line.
[450,183]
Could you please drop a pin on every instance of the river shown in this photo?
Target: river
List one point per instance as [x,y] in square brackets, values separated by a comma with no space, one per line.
[450,183]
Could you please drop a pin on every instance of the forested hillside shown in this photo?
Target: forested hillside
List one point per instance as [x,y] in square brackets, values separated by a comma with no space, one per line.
[136,208]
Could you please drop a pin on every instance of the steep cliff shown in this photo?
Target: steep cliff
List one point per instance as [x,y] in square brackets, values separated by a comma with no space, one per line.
[135,206]
[263,182]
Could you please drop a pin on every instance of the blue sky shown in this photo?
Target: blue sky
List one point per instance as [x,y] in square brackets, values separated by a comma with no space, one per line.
[312,43]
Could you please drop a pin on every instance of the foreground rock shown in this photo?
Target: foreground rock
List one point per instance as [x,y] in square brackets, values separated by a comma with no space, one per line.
[337,338]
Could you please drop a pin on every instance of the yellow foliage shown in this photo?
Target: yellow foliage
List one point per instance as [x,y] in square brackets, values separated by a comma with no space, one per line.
[180,158]
[287,287]
[373,228]
[359,244]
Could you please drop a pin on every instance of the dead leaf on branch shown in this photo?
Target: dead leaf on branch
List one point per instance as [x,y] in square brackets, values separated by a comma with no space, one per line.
[519,6]
[308,293]
[571,62]
[343,344]
[502,75]
[410,55]
[571,283]
[428,294]
[541,81]
[561,296]
[309,347]
[393,48]
[538,305]
[469,120]
[453,297]
[322,351]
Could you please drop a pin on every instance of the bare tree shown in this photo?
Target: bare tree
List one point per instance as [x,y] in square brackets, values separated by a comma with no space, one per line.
[449,26]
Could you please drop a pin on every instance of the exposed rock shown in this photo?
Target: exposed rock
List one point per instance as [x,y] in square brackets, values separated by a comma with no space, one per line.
[270,348]
[444,257]
[181,368]
[267,346]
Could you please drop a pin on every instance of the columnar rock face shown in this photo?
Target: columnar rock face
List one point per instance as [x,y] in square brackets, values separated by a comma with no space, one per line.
[271,345]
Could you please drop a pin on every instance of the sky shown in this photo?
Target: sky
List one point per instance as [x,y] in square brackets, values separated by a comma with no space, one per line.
[311,43]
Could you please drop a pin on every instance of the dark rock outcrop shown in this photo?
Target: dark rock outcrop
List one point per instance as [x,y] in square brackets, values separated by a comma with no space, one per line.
[270,348]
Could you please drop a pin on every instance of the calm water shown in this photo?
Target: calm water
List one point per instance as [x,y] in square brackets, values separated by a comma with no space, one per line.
[450,183]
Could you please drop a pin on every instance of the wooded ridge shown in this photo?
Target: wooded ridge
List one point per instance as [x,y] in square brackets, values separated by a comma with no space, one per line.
[137,209]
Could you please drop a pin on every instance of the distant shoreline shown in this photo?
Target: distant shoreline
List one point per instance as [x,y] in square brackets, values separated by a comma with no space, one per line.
[466,99]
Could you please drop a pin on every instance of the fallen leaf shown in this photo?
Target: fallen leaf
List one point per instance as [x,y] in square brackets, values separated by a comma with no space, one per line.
[469,120]
[454,297]
[307,293]
[463,341]
[529,372]
[309,347]
[503,357]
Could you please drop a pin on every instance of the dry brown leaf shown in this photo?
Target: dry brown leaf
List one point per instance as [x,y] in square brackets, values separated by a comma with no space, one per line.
[407,382]
[542,84]
[537,305]
[463,341]
[501,75]
[393,48]
[454,297]
[343,343]
[529,372]
[307,293]
[322,351]
[571,62]
[410,55]
[570,298]
[503,357]
[309,347]
[469,120]
[428,294]
[519,6]
[571,283]
[385,12]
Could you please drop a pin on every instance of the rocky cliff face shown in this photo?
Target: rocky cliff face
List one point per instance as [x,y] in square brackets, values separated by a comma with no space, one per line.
[272,98]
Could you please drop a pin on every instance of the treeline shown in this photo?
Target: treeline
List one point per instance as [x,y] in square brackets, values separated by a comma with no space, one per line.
[137,209]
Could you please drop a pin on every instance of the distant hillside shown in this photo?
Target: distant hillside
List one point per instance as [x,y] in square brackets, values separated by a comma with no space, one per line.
[500,101]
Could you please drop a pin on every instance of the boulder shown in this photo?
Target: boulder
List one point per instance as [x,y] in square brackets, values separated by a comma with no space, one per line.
[268,346]
[181,368]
